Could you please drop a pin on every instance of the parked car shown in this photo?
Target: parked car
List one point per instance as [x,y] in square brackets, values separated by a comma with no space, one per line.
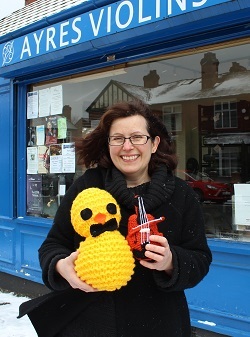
[207,189]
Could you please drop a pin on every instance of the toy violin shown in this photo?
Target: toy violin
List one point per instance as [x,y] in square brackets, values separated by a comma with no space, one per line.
[140,226]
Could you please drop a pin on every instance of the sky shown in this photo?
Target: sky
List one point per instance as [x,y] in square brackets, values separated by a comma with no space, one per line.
[9,6]
[10,325]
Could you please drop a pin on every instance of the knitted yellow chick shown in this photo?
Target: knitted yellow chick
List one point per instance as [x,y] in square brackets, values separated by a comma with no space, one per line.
[105,260]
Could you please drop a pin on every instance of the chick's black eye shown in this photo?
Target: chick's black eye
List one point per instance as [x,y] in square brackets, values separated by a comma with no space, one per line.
[86,213]
[111,208]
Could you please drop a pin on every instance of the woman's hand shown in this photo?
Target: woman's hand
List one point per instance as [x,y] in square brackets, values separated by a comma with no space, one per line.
[160,255]
[66,268]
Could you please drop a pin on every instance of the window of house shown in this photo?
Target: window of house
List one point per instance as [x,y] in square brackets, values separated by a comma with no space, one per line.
[204,104]
[225,114]
[172,117]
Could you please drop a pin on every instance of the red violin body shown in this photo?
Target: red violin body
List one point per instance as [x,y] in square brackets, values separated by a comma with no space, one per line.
[138,234]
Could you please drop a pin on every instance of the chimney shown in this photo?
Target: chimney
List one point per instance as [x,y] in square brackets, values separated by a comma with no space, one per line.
[209,70]
[27,2]
[236,68]
[151,80]
[67,112]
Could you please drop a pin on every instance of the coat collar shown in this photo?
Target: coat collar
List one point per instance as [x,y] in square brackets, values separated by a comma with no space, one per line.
[154,193]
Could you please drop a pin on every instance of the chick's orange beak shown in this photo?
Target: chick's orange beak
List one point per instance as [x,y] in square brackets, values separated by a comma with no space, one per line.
[100,218]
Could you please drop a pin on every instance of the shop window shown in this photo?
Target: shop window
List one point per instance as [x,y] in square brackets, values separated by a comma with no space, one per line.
[204,101]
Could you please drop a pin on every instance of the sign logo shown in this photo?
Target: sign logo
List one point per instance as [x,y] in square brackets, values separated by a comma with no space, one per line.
[8,52]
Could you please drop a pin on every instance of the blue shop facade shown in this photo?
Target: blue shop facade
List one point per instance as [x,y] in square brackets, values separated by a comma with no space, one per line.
[190,61]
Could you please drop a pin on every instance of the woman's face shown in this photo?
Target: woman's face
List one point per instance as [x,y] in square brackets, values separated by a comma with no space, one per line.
[132,160]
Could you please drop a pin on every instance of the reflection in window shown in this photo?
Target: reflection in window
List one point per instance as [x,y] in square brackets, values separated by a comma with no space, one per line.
[203,99]
[225,115]
[172,117]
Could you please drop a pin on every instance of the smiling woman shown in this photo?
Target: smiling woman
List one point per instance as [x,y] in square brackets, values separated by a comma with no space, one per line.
[130,155]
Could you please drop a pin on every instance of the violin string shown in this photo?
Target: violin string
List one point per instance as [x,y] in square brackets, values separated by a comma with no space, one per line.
[144,222]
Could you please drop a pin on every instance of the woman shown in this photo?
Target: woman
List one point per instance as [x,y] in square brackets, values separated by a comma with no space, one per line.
[130,154]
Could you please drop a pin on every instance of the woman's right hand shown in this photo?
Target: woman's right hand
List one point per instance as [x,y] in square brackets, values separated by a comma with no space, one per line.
[66,268]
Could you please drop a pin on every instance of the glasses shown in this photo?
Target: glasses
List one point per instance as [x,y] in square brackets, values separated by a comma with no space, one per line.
[135,140]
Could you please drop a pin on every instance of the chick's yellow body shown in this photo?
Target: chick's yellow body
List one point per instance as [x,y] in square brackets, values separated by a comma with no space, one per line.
[105,260]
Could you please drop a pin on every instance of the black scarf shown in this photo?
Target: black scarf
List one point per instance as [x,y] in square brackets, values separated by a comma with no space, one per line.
[155,192]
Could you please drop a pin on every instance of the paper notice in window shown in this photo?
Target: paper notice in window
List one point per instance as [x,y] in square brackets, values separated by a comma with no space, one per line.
[44,102]
[68,154]
[40,134]
[62,127]
[56,95]
[32,104]
[55,158]
[242,204]
[32,160]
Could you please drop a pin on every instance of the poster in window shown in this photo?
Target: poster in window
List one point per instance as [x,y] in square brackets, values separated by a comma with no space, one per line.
[32,104]
[55,152]
[40,134]
[51,130]
[32,136]
[44,102]
[34,194]
[242,206]
[56,95]
[32,160]
[49,193]
[62,127]
[43,159]
[68,153]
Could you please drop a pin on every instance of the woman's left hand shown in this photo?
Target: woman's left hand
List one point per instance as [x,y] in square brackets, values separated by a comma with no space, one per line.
[160,255]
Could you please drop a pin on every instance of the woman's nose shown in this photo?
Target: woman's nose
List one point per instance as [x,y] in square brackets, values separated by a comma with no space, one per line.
[127,144]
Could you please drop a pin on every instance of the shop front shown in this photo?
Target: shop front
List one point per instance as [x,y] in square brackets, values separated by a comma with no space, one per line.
[190,61]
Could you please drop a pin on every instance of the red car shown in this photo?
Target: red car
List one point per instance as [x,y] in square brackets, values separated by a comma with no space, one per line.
[207,189]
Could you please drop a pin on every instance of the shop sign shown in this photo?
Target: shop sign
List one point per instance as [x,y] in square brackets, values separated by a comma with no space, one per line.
[111,19]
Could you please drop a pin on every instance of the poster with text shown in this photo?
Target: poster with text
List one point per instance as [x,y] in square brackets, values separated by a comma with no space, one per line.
[51,130]
[40,134]
[242,205]
[68,153]
[55,152]
[34,194]
[32,104]
[43,159]
[32,160]
[62,127]
[32,136]
[44,102]
[56,96]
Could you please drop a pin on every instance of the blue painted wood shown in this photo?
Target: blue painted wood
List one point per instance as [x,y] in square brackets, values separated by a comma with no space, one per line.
[6,141]
[220,303]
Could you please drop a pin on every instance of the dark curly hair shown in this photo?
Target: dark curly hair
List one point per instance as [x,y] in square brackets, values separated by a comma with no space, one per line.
[93,149]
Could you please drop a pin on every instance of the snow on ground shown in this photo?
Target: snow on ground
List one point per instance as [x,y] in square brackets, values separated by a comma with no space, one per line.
[10,325]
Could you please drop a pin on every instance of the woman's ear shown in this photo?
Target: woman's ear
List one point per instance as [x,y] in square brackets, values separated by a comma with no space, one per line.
[155,144]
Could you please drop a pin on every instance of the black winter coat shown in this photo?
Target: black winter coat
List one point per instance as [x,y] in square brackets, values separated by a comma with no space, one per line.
[152,303]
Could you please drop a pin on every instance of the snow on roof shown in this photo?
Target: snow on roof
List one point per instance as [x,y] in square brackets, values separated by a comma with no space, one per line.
[231,84]
[135,90]
[34,12]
